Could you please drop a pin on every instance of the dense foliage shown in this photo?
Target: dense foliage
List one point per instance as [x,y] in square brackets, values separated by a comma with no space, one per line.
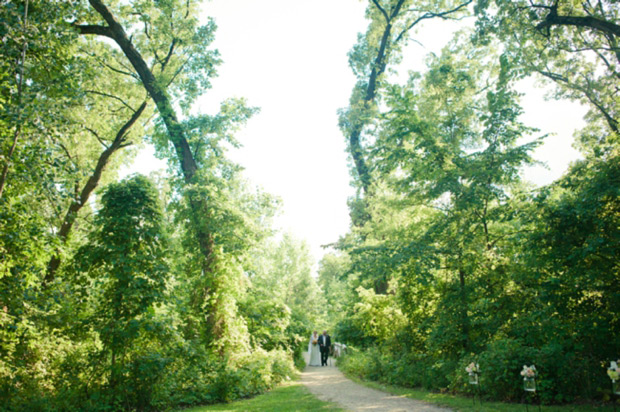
[151,293]
[452,258]
[144,293]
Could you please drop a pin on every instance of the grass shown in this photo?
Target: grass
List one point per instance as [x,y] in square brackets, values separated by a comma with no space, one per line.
[464,404]
[288,397]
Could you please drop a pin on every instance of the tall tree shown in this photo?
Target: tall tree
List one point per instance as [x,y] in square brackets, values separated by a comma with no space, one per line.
[391,21]
[124,270]
[332,279]
[281,280]
[176,46]
[17,103]
[449,145]
[34,94]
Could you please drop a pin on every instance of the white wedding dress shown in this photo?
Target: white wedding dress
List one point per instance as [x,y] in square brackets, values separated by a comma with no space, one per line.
[314,351]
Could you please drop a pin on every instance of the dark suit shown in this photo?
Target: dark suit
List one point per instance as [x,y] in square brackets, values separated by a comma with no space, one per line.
[324,344]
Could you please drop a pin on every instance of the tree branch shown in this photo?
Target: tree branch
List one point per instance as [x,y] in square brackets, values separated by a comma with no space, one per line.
[179,70]
[161,99]
[169,55]
[119,71]
[99,139]
[112,97]
[89,187]
[378,6]
[93,29]
[430,15]
[614,125]
[604,26]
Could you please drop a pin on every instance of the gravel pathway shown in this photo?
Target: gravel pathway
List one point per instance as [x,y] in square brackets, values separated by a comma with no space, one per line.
[329,384]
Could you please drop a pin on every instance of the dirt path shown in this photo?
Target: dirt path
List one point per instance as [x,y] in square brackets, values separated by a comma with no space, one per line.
[329,384]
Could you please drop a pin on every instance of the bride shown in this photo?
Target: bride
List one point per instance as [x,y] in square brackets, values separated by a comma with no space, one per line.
[314,350]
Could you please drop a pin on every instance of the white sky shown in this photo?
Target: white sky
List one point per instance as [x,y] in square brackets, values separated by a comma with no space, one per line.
[289,57]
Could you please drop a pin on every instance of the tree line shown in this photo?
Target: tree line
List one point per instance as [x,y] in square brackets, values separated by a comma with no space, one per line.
[147,293]
[452,257]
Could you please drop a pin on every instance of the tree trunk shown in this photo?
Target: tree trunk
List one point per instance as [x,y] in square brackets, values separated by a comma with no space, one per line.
[91,184]
[464,310]
[589,22]
[176,134]
[378,68]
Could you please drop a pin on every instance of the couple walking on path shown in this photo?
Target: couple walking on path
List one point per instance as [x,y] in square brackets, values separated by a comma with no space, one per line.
[318,348]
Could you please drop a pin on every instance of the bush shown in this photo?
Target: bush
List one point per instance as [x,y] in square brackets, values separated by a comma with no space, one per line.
[563,376]
[501,365]
[402,369]
[356,363]
[201,377]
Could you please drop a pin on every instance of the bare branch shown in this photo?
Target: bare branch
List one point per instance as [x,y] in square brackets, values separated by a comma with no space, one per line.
[169,55]
[111,96]
[94,133]
[430,15]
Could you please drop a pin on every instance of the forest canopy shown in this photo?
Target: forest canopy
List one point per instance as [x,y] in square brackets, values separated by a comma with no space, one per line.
[160,292]
[452,257]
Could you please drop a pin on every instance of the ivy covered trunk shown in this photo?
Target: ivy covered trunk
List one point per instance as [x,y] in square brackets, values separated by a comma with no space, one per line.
[199,206]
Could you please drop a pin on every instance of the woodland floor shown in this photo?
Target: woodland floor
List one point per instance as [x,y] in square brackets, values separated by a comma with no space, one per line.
[329,384]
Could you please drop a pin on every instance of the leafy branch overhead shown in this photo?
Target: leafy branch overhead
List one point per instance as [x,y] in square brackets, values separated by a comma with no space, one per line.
[185,54]
[572,44]
[388,32]
[115,31]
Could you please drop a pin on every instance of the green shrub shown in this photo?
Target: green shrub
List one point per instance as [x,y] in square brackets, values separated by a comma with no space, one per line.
[562,375]
[402,369]
[356,363]
[198,377]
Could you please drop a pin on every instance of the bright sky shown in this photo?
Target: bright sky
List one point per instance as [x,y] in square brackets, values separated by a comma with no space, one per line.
[290,59]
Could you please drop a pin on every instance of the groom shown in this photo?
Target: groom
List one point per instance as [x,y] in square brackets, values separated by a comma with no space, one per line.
[324,343]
